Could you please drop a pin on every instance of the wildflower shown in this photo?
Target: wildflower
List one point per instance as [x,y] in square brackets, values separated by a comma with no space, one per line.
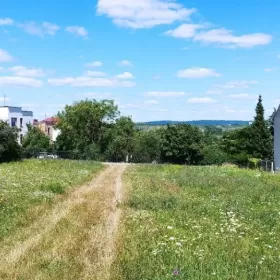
[172,238]
[179,244]
[169,227]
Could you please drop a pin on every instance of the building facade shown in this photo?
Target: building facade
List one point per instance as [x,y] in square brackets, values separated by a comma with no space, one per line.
[16,117]
[48,127]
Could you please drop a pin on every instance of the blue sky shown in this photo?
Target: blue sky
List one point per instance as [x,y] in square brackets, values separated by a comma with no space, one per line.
[178,60]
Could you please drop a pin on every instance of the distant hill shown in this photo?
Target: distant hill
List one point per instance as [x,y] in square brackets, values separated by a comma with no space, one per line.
[199,123]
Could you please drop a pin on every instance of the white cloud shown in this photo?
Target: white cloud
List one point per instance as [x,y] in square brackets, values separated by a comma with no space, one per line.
[27,72]
[94,64]
[243,96]
[214,91]
[5,56]
[159,110]
[20,81]
[6,21]
[125,63]
[50,28]
[237,84]
[89,82]
[196,72]
[33,28]
[184,31]
[77,30]
[151,102]
[165,93]
[201,100]
[124,76]
[1,68]
[144,13]
[268,70]
[95,74]
[225,37]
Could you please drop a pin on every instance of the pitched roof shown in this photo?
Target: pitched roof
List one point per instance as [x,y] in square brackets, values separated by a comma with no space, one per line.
[51,121]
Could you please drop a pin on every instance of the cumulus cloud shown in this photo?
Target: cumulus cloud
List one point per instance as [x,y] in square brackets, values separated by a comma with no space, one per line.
[77,30]
[201,100]
[144,13]
[165,93]
[237,84]
[243,96]
[94,64]
[95,74]
[125,63]
[89,82]
[196,73]
[39,29]
[124,76]
[6,21]
[27,72]
[17,81]
[5,56]
[184,31]
[225,37]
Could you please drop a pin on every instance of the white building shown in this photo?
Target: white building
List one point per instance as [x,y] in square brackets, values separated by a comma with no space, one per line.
[16,117]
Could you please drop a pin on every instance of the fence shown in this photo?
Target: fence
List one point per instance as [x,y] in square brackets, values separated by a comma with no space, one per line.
[267,165]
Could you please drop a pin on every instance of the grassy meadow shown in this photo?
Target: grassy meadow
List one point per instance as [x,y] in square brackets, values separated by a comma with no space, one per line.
[199,223]
[27,188]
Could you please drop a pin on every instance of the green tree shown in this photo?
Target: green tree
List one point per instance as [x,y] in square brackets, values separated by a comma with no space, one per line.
[82,125]
[10,150]
[35,141]
[261,138]
[271,121]
[182,144]
[147,144]
[121,138]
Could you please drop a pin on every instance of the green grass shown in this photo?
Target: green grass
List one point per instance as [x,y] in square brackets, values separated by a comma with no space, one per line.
[205,222]
[27,185]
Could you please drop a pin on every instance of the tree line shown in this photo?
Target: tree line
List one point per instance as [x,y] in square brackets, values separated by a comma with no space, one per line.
[94,130]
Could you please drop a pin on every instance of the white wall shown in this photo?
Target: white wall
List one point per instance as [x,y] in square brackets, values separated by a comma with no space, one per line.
[55,134]
[7,113]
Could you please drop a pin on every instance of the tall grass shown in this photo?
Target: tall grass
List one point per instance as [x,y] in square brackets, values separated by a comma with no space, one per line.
[199,223]
[25,186]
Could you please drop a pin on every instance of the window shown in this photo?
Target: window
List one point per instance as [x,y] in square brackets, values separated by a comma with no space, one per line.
[14,122]
[49,131]
[21,119]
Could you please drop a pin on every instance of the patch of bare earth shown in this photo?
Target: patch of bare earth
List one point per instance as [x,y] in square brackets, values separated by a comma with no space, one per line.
[73,240]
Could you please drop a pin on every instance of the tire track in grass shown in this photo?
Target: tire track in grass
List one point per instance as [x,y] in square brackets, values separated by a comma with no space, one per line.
[102,237]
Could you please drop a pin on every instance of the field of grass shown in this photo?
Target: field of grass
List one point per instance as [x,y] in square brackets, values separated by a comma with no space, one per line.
[28,187]
[199,223]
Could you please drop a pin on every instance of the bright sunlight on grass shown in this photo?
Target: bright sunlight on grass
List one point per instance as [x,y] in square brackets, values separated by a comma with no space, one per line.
[199,223]
[29,184]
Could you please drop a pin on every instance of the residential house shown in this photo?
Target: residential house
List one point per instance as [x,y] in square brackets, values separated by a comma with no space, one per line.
[48,127]
[16,117]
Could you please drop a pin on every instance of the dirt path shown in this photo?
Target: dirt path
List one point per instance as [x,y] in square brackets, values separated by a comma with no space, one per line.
[92,209]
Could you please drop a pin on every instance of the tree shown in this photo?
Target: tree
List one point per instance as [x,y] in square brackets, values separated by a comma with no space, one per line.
[261,137]
[121,140]
[35,141]
[147,144]
[82,124]
[271,121]
[182,144]
[10,150]
[238,146]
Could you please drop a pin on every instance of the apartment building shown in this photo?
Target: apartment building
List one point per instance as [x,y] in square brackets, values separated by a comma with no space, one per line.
[16,117]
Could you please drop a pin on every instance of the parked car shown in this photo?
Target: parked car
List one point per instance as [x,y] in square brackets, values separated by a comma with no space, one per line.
[44,155]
